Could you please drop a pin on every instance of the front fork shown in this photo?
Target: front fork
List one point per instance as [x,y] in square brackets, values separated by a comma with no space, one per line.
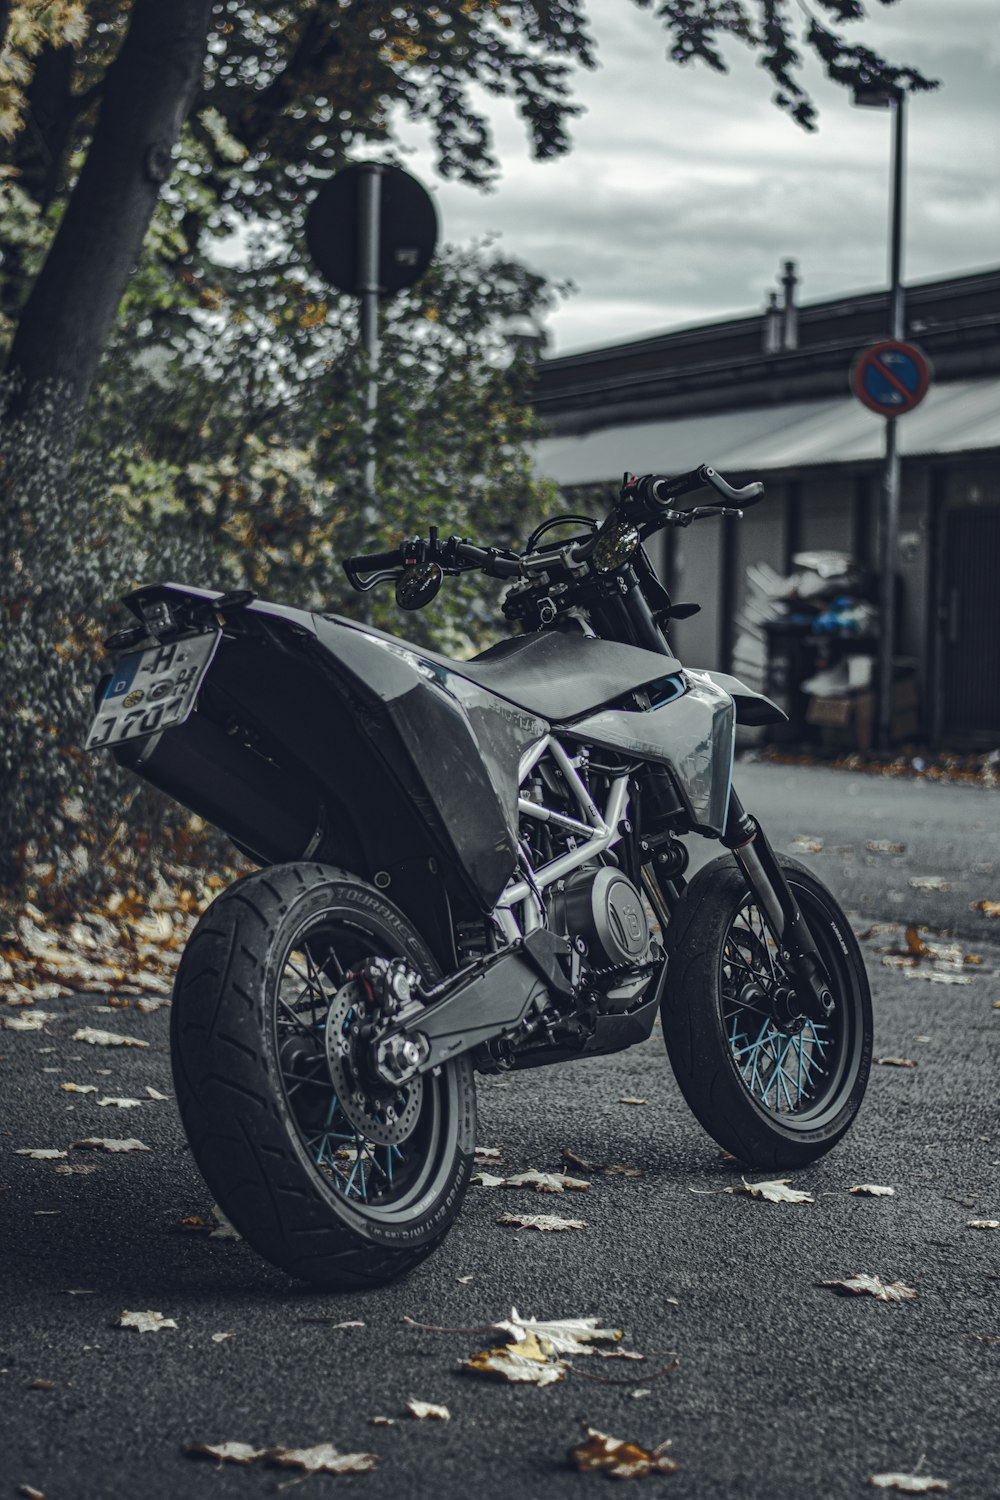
[809,993]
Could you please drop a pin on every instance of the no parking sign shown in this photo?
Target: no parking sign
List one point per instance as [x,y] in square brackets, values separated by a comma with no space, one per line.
[890,377]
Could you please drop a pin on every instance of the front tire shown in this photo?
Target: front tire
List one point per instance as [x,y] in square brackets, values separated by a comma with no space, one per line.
[771,1097]
[315,1189]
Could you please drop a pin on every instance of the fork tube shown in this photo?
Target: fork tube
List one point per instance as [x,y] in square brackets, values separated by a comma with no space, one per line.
[773,895]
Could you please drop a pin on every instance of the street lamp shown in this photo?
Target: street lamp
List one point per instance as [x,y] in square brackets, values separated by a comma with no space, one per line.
[889,96]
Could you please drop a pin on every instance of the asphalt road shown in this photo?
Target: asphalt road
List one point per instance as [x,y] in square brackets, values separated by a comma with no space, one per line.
[784,1390]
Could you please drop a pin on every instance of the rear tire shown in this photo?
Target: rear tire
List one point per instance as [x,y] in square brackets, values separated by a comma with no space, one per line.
[307,1188]
[771,1098]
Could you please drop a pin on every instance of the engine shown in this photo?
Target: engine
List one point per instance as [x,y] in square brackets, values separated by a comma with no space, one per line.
[601,912]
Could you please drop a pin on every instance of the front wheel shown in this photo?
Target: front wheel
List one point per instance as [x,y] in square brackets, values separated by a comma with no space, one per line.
[329,1175]
[773,1096]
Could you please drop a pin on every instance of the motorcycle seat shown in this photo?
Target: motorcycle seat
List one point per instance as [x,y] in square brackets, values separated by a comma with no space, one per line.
[561,675]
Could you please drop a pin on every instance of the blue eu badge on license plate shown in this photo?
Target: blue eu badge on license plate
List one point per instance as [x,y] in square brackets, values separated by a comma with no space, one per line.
[152,690]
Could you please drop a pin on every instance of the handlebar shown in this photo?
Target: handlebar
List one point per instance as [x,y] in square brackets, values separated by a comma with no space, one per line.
[659,490]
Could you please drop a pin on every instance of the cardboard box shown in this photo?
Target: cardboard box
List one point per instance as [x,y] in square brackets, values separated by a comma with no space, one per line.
[851,717]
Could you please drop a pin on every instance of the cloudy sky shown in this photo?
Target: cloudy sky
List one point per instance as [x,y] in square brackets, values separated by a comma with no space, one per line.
[684,189]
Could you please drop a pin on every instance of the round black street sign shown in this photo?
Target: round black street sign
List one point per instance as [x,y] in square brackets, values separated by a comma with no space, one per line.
[407,236]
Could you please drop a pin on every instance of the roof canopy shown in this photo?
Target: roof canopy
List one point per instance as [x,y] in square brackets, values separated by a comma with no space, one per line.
[958,417]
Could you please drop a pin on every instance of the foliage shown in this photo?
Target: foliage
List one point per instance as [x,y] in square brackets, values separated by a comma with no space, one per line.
[226,446]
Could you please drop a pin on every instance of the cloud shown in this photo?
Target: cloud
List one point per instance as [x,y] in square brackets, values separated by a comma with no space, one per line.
[684,188]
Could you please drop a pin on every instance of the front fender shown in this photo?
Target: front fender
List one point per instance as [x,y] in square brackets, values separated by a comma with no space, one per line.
[751,708]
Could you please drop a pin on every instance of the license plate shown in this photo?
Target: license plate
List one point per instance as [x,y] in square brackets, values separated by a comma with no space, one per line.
[152,690]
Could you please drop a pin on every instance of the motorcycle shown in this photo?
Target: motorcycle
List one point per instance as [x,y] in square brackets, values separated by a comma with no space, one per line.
[471,865]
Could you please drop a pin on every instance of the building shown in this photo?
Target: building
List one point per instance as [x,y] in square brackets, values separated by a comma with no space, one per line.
[766,397]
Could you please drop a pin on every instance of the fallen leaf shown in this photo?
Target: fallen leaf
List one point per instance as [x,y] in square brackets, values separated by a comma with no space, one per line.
[982,1223]
[152,1093]
[884,846]
[872,1190]
[861,1283]
[602,1454]
[628,1100]
[894,1062]
[79,1088]
[526,1363]
[988,909]
[463,1280]
[909,1484]
[806,843]
[931,883]
[98,1038]
[117,1102]
[777,1191]
[28,1020]
[225,1453]
[565,1336]
[41,1385]
[149,1007]
[617,1353]
[488,1153]
[223,1229]
[639,1394]
[109,1143]
[541,1221]
[986,1338]
[382,1421]
[323,1459]
[145,1322]
[426,1409]
[542,1182]
[75,1168]
[39,1153]
[29,1492]
[220,1338]
[938,976]
[616,1169]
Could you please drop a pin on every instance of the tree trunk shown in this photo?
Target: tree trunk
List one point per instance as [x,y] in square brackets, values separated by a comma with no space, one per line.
[70,312]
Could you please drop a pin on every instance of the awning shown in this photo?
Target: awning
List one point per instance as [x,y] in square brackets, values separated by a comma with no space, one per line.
[961,416]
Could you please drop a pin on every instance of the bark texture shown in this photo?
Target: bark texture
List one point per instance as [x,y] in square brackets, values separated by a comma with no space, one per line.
[71,309]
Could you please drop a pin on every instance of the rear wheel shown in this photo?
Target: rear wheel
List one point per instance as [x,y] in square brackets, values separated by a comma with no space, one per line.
[775,1096]
[327,1173]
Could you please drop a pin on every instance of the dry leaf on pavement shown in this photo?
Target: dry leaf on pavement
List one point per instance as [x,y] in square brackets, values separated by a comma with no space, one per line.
[861,1283]
[563,1336]
[602,1454]
[117,1102]
[145,1322]
[872,1190]
[424,1409]
[225,1453]
[98,1038]
[79,1088]
[885,846]
[777,1191]
[982,1223]
[110,1143]
[30,1493]
[152,1093]
[28,1020]
[220,1338]
[488,1153]
[988,908]
[542,1182]
[324,1458]
[629,1100]
[908,1484]
[526,1363]
[894,1062]
[39,1153]
[615,1169]
[544,1222]
[806,843]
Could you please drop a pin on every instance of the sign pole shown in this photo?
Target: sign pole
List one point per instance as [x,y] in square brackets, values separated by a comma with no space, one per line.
[369,225]
[890,473]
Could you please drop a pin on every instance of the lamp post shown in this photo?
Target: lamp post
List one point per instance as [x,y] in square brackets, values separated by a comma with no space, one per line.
[889,96]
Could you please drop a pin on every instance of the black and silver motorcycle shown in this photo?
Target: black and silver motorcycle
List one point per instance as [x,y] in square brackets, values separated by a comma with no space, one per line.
[471,865]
